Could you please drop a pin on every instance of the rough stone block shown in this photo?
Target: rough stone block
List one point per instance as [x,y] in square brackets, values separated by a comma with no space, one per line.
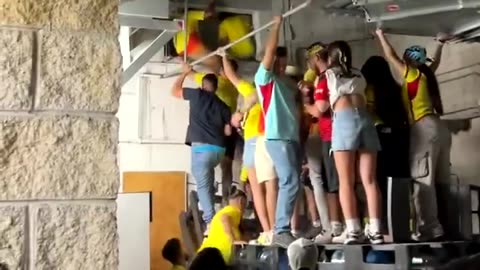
[76,236]
[54,157]
[16,52]
[79,72]
[86,15]
[12,236]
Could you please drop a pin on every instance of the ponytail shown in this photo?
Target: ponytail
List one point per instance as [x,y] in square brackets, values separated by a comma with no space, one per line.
[433,88]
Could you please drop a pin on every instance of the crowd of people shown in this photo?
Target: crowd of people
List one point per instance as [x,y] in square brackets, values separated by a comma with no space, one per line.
[318,135]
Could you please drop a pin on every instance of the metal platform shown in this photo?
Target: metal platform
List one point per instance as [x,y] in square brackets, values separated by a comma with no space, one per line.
[401,256]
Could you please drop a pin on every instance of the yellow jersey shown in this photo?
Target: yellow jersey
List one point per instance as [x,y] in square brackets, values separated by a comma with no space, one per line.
[250,126]
[415,95]
[370,94]
[217,238]
[225,91]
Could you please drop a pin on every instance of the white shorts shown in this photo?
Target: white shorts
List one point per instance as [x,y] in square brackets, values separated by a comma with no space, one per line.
[263,162]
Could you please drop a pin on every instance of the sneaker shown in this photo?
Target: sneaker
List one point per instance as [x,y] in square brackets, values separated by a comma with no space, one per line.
[340,239]
[436,235]
[323,238]
[283,239]
[313,231]
[375,238]
[354,238]
[264,239]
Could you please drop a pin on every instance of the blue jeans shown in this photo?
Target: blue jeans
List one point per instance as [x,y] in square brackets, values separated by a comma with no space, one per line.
[203,171]
[286,159]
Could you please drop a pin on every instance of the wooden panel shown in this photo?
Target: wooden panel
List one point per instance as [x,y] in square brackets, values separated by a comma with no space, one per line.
[168,200]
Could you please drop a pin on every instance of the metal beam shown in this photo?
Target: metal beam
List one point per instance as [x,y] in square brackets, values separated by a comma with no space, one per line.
[232,5]
[146,55]
[146,8]
[148,23]
[339,3]
[427,10]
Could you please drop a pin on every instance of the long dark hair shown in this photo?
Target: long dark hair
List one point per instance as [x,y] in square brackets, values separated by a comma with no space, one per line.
[340,55]
[387,92]
[433,88]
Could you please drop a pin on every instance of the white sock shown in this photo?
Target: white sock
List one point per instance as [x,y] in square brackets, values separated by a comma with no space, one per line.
[317,223]
[374,225]
[353,225]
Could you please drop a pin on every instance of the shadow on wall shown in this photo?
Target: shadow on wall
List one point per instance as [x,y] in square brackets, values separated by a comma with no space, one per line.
[3,266]
[456,126]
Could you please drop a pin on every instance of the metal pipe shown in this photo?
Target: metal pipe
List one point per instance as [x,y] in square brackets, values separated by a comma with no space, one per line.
[185,29]
[422,11]
[201,59]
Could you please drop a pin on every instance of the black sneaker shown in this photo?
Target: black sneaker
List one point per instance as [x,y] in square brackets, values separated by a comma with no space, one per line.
[375,238]
[282,240]
[354,238]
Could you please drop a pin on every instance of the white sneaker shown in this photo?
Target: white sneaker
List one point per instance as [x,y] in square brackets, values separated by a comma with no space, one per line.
[354,238]
[340,239]
[325,237]
[264,239]
[207,230]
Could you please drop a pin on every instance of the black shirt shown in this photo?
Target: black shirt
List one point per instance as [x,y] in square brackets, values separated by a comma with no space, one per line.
[207,119]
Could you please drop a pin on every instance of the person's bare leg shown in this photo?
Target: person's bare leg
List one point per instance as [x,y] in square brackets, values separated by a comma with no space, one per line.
[259,201]
[271,198]
[345,164]
[334,208]
[312,208]
[367,168]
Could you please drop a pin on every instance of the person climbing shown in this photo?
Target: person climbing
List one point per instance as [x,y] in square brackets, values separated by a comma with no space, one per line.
[247,117]
[332,227]
[209,124]
[354,142]
[430,139]
[280,122]
[225,226]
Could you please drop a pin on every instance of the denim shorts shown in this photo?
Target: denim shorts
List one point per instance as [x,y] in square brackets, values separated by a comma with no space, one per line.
[354,129]
[249,153]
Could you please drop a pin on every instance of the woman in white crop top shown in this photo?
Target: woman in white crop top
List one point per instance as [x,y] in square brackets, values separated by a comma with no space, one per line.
[354,141]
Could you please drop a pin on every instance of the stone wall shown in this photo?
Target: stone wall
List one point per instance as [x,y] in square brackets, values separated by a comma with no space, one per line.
[60,68]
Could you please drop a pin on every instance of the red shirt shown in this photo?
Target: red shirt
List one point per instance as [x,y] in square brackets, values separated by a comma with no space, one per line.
[325,121]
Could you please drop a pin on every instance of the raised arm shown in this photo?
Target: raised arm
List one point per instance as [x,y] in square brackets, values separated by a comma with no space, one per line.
[390,53]
[228,69]
[272,44]
[437,57]
[177,89]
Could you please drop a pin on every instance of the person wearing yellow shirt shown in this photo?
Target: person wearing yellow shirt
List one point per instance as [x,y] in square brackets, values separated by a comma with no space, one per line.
[250,115]
[172,252]
[228,94]
[384,102]
[225,227]
[430,139]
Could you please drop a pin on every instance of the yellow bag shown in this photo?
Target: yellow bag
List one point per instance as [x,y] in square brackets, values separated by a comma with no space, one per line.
[232,29]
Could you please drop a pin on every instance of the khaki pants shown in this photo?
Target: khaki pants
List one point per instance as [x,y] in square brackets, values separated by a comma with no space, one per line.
[430,143]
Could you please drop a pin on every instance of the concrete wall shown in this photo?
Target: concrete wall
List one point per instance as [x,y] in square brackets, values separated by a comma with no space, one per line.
[60,67]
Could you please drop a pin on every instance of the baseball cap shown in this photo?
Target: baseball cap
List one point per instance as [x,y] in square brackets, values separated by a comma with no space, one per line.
[302,253]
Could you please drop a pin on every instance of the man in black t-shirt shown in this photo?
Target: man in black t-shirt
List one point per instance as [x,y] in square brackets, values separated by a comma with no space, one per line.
[209,124]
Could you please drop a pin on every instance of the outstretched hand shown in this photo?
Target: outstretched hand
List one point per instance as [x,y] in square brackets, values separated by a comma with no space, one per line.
[186,68]
[277,19]
[221,52]
[443,37]
[379,32]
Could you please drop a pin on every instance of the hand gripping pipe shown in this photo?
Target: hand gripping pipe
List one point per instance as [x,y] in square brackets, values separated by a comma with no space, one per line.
[201,59]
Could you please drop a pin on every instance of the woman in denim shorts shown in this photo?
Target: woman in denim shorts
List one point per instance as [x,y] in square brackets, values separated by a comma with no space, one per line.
[354,141]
